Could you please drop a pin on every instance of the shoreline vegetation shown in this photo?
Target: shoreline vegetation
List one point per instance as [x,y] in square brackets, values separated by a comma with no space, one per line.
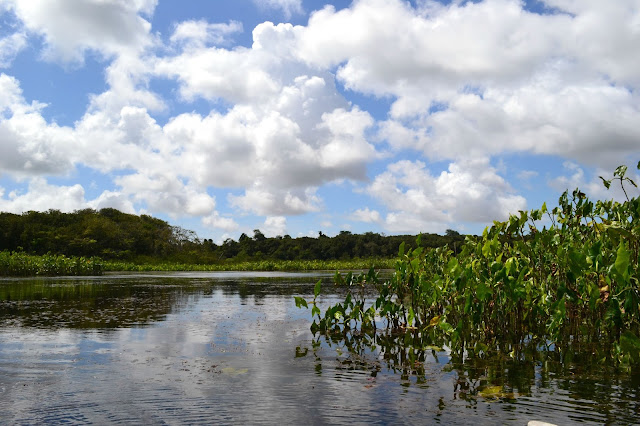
[264,265]
[16,264]
[89,242]
[561,283]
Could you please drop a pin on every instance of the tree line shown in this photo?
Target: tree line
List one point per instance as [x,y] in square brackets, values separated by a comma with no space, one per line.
[114,235]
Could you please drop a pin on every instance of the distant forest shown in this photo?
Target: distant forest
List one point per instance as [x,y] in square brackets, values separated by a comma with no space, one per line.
[114,235]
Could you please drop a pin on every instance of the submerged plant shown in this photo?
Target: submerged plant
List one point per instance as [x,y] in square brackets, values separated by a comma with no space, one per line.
[571,287]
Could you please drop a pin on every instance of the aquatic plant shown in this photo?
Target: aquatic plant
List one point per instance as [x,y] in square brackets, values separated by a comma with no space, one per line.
[263,265]
[571,287]
[19,264]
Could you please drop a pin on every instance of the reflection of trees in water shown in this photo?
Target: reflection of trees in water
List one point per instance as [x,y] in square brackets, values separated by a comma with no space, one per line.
[112,303]
[526,372]
[257,289]
[84,305]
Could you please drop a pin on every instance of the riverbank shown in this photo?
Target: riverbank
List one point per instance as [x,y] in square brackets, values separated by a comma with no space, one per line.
[265,265]
[17,264]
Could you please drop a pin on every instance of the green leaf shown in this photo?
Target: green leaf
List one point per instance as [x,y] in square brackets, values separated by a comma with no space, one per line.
[411,316]
[401,249]
[509,265]
[613,313]
[605,182]
[630,344]
[315,311]
[452,266]
[483,291]
[486,248]
[446,327]
[317,288]
[300,302]
[577,262]
[620,171]
[622,261]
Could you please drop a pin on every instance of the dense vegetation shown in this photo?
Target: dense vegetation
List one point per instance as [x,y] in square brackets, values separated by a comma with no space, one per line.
[570,288]
[257,265]
[23,265]
[113,235]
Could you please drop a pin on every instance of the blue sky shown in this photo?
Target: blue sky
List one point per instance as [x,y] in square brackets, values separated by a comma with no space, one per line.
[294,116]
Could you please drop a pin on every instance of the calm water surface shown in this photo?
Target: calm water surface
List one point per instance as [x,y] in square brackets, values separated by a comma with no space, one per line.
[187,348]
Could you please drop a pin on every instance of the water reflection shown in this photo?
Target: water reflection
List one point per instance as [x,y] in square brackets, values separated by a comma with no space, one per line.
[233,348]
[129,300]
[534,385]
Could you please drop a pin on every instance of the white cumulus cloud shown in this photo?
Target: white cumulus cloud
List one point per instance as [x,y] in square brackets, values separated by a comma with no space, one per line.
[470,191]
[70,27]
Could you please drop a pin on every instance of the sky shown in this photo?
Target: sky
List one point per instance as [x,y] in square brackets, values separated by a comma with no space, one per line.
[302,116]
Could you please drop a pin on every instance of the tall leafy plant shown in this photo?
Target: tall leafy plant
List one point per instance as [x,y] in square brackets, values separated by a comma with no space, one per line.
[563,280]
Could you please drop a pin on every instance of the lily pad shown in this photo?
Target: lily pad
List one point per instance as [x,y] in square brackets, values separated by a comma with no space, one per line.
[235,371]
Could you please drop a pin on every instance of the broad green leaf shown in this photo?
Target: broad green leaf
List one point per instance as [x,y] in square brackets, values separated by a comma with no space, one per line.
[622,260]
[452,265]
[509,265]
[315,311]
[410,316]
[401,249]
[446,327]
[483,291]
[577,262]
[486,249]
[468,303]
[317,288]
[300,302]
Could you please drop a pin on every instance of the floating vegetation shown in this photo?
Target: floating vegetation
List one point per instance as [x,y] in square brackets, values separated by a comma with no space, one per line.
[265,265]
[19,264]
[570,288]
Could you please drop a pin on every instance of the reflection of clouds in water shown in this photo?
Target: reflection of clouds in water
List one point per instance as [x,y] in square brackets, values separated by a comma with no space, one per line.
[35,343]
[277,309]
[229,357]
[219,357]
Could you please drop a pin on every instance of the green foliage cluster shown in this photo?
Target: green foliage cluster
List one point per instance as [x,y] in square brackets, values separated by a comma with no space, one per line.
[107,233]
[21,265]
[570,288]
[116,236]
[343,246]
[263,265]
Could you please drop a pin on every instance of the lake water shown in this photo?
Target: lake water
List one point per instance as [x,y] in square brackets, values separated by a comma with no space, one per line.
[210,348]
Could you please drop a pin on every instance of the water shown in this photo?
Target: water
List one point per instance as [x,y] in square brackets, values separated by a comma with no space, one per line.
[209,348]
